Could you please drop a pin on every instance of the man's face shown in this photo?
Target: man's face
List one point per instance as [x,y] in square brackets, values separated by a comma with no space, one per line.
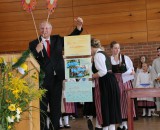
[45,30]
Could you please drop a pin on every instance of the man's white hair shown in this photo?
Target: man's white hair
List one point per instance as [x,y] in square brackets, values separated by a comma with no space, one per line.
[46,23]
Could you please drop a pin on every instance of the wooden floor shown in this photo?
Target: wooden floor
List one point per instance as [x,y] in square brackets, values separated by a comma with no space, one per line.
[152,123]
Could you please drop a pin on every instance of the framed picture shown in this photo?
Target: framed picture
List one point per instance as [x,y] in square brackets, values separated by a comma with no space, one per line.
[80,91]
[78,68]
[77,45]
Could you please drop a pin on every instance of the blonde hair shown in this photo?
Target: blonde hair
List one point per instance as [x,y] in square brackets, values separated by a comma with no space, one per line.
[95,43]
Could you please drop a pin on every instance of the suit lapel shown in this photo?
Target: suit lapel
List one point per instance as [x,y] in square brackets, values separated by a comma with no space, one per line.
[53,41]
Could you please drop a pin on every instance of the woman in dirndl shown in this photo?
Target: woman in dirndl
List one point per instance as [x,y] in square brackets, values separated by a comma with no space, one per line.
[107,94]
[123,69]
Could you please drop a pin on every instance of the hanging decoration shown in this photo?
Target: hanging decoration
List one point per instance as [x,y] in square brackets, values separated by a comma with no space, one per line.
[28,5]
[51,5]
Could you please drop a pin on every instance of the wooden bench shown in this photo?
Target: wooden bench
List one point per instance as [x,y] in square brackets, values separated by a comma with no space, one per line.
[139,93]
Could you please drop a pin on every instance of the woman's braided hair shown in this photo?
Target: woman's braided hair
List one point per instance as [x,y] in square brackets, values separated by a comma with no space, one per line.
[95,43]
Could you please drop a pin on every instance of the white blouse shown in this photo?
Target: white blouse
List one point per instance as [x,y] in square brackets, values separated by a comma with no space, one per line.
[100,63]
[143,78]
[126,76]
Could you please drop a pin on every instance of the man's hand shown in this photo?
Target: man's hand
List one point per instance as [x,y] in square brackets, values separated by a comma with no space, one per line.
[79,22]
[39,47]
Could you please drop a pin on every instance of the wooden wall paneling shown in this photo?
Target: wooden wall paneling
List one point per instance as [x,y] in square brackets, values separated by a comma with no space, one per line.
[64,3]
[122,37]
[109,8]
[9,1]
[128,21]
[132,37]
[62,12]
[153,24]
[6,7]
[62,22]
[17,26]
[13,46]
[153,36]
[103,38]
[14,16]
[94,2]
[60,3]
[117,27]
[115,17]
[38,14]
[41,5]
[137,26]
[18,36]
[137,37]
[137,4]
[153,4]
[153,14]
[22,16]
[18,41]
[16,6]
[29,25]
[30,34]
[63,31]
[76,2]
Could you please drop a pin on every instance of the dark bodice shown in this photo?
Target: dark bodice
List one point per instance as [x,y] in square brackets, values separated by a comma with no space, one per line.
[120,68]
[108,63]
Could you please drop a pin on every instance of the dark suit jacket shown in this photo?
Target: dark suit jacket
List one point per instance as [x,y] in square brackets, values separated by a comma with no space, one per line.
[56,61]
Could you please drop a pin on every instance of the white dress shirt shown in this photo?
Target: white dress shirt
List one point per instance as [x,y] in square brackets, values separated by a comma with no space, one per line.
[100,63]
[44,42]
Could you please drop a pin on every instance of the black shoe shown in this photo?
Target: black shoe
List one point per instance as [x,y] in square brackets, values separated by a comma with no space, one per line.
[98,128]
[61,127]
[90,125]
[118,128]
[124,128]
[67,126]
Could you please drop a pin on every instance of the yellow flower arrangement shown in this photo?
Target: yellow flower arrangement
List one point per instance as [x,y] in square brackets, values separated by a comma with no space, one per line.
[16,93]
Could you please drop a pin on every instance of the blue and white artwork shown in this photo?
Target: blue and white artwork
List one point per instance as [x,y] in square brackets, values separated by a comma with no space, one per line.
[78,68]
[78,91]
